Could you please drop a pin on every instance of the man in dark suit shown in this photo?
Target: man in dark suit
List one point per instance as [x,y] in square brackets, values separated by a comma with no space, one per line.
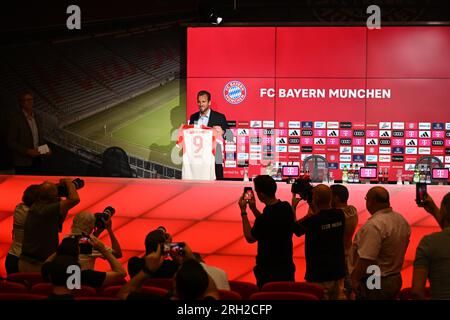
[24,138]
[208,117]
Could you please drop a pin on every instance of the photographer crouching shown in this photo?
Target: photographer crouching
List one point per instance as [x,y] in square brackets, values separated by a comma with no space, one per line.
[154,239]
[44,222]
[84,224]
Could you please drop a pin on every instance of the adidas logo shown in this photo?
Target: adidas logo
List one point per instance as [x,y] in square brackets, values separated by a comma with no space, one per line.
[372,143]
[319,141]
[385,134]
[411,143]
[293,133]
[332,133]
[424,134]
[281,141]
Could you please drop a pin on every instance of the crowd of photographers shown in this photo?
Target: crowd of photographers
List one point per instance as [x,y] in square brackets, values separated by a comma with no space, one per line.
[341,263]
[364,266]
[38,221]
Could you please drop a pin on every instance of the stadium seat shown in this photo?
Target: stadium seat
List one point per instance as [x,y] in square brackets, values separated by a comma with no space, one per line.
[21,296]
[110,291]
[12,287]
[282,296]
[47,289]
[118,282]
[115,163]
[245,289]
[286,286]
[27,278]
[114,290]
[160,283]
[95,298]
[405,294]
[155,290]
[229,295]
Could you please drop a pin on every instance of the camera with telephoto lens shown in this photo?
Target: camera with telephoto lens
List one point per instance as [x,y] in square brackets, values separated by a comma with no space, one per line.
[303,187]
[62,188]
[102,217]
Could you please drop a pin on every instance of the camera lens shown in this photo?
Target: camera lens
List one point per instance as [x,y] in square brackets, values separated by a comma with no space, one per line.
[78,183]
[109,210]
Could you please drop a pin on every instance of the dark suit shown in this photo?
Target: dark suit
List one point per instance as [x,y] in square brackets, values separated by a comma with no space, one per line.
[216,119]
[20,139]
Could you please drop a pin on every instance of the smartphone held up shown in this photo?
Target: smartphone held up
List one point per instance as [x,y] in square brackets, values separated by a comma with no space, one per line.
[421,192]
[248,194]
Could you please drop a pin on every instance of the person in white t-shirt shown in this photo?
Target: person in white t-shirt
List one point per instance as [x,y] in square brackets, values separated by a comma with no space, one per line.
[219,276]
[381,243]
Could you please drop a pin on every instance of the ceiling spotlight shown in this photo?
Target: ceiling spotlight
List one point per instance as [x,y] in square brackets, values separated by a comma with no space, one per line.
[214,18]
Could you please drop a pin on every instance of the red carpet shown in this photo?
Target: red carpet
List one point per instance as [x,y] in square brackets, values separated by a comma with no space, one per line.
[204,214]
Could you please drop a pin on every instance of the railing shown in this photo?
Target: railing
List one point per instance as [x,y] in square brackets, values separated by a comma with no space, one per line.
[93,150]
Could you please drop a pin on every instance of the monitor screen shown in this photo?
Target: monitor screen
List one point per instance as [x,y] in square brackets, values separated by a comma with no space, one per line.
[290,171]
[367,173]
[440,173]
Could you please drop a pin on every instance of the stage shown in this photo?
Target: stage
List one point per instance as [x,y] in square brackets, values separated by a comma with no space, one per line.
[203,214]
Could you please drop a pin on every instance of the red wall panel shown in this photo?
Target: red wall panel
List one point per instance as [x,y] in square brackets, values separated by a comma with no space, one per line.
[321,52]
[409,52]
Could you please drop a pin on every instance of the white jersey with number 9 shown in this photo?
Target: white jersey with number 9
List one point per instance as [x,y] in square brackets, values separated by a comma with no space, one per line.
[199,148]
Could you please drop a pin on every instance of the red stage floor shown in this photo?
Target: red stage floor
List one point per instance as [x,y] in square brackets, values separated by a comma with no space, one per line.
[204,214]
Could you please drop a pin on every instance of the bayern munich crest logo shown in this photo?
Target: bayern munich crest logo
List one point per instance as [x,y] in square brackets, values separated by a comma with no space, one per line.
[234,92]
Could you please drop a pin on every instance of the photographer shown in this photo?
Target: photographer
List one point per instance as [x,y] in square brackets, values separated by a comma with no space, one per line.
[432,255]
[86,223]
[20,216]
[71,246]
[191,281]
[438,213]
[323,228]
[153,240]
[272,230]
[43,223]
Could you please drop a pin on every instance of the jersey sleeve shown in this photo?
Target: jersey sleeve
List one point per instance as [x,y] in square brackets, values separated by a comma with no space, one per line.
[216,139]
[180,137]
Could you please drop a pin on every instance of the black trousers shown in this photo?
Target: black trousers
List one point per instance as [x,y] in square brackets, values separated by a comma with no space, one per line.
[34,169]
[11,264]
[265,274]
[219,171]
